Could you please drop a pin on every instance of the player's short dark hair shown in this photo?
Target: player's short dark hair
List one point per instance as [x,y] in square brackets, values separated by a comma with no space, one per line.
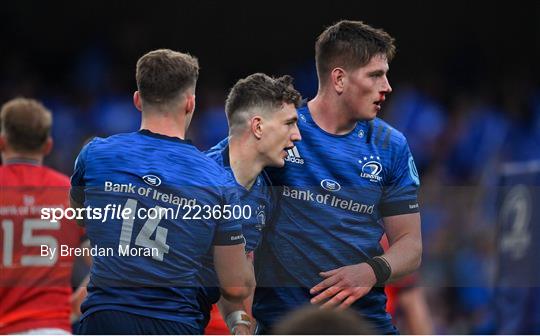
[163,74]
[259,93]
[26,124]
[350,45]
[312,320]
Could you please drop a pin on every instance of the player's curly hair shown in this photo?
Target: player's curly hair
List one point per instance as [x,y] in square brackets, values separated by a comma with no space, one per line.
[259,93]
[350,45]
[163,74]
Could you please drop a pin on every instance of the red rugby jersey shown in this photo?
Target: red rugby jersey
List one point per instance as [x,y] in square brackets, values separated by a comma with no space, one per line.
[217,325]
[34,289]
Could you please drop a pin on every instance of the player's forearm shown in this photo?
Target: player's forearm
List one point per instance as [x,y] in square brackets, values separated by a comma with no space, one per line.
[417,315]
[238,315]
[226,307]
[404,256]
[405,239]
[235,272]
[236,294]
[77,298]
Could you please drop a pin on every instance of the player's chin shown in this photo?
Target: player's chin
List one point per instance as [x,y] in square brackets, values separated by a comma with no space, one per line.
[366,113]
[372,114]
[279,162]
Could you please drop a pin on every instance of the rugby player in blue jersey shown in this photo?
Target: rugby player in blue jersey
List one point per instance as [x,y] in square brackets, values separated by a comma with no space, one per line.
[516,301]
[144,280]
[351,179]
[262,117]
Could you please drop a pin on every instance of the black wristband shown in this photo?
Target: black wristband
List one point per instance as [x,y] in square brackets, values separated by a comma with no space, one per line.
[381,268]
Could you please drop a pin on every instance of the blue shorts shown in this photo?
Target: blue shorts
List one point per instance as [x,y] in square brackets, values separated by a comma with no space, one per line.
[121,323]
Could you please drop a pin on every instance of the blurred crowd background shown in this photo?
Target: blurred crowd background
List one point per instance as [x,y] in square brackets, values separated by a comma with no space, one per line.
[466,94]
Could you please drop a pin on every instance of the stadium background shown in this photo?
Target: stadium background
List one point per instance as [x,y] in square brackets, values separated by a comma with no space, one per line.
[466,95]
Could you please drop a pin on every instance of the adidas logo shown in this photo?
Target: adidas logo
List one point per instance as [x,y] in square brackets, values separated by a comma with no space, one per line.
[294,156]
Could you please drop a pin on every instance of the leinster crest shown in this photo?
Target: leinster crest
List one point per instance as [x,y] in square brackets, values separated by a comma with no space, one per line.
[261,217]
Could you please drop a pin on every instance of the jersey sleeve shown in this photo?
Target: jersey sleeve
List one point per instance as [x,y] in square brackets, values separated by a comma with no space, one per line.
[229,231]
[77,179]
[401,189]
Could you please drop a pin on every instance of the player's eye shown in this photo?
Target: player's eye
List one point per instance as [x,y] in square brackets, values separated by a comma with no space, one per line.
[291,122]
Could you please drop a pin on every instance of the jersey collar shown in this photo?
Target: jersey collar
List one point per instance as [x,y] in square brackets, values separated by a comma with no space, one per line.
[225,156]
[22,161]
[164,137]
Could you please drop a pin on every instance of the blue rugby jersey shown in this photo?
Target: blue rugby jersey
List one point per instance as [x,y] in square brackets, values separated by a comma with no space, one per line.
[144,170]
[336,189]
[517,290]
[260,199]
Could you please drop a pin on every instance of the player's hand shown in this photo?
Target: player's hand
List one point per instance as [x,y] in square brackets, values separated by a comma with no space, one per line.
[343,286]
[75,300]
[253,326]
[241,329]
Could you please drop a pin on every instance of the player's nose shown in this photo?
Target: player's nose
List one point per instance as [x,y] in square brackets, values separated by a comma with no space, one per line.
[295,136]
[386,86]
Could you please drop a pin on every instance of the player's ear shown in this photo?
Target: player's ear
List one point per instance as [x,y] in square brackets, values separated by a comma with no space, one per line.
[256,126]
[47,146]
[137,100]
[338,78]
[2,143]
[190,103]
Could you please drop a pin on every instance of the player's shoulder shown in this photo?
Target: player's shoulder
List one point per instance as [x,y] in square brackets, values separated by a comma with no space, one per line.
[93,148]
[95,143]
[220,155]
[29,174]
[124,138]
[303,116]
[141,146]
[54,177]
[216,171]
[145,137]
[303,109]
[212,161]
[212,166]
[383,134]
[216,152]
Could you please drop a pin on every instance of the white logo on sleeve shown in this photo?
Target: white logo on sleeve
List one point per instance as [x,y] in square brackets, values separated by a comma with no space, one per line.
[294,156]
[413,173]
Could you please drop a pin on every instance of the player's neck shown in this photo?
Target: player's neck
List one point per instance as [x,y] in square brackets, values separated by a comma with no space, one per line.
[328,114]
[244,163]
[163,124]
[11,156]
